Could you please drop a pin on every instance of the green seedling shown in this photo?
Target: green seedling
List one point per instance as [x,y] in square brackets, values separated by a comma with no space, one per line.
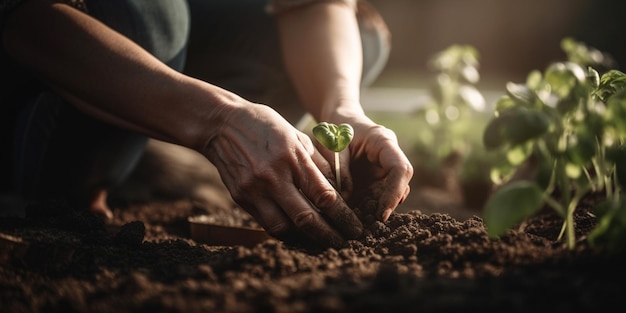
[334,138]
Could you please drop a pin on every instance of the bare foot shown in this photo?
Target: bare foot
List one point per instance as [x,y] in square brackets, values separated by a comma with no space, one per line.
[98,205]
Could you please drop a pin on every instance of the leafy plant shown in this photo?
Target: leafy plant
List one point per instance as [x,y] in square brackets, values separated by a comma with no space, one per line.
[569,122]
[455,101]
[335,138]
[446,132]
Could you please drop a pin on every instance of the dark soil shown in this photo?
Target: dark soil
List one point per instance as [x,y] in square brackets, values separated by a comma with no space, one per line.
[145,261]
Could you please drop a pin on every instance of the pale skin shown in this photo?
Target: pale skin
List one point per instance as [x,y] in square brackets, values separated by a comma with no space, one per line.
[270,168]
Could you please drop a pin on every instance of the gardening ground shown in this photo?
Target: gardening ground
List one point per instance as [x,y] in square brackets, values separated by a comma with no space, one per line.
[432,255]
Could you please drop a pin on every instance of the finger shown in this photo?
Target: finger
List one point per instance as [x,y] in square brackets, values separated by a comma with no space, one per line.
[322,164]
[99,206]
[249,196]
[325,198]
[395,190]
[269,215]
[307,219]
[406,194]
[279,225]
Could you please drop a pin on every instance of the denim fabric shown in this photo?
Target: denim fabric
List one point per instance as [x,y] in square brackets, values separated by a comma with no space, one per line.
[61,153]
[159,26]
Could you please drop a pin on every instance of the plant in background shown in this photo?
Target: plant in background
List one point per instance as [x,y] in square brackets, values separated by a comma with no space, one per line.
[335,138]
[570,123]
[448,145]
[455,102]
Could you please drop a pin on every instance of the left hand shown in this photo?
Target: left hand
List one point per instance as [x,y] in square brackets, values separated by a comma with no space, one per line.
[375,172]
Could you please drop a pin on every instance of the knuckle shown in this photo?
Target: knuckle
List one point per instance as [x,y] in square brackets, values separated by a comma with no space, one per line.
[242,190]
[260,169]
[408,169]
[389,133]
[326,198]
[265,175]
[278,230]
[253,182]
[283,154]
[237,195]
[304,220]
[383,131]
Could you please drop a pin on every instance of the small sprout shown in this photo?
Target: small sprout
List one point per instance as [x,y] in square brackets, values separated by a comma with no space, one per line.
[334,138]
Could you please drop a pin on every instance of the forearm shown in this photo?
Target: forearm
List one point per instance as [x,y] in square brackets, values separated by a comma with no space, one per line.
[323,56]
[110,77]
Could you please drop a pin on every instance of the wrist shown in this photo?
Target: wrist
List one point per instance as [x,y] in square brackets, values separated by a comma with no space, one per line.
[342,111]
[214,108]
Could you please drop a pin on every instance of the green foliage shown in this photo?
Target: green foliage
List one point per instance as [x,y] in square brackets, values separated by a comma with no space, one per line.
[570,121]
[451,123]
[333,137]
[511,204]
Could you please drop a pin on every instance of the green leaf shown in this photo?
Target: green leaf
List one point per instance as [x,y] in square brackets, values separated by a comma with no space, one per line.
[504,102]
[573,171]
[545,170]
[333,137]
[534,79]
[617,154]
[510,205]
[517,154]
[515,126]
[611,227]
[581,148]
[616,113]
[564,77]
[593,77]
[459,59]
[610,83]
[578,52]
[521,94]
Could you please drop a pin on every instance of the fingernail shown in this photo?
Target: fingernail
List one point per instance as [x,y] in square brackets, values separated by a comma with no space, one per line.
[386,214]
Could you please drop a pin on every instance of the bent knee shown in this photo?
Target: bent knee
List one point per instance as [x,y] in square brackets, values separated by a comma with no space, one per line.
[375,39]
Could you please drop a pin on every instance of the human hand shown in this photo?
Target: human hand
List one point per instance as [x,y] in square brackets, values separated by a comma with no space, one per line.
[379,172]
[274,172]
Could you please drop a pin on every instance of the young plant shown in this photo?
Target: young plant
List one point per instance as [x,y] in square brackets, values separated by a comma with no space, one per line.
[447,129]
[569,122]
[334,138]
[455,104]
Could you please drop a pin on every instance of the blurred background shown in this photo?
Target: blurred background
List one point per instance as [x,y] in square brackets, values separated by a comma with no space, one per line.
[513,37]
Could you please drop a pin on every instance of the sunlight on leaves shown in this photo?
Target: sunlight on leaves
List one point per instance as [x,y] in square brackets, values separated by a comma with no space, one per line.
[510,205]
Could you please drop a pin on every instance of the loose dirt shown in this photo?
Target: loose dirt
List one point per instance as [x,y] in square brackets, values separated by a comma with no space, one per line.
[145,261]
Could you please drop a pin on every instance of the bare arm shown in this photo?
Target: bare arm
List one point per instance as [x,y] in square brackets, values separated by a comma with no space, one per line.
[110,77]
[323,55]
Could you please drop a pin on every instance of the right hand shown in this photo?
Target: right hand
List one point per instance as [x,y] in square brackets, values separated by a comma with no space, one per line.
[275,173]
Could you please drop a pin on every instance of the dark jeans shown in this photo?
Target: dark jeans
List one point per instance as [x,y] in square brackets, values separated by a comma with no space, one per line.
[58,152]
